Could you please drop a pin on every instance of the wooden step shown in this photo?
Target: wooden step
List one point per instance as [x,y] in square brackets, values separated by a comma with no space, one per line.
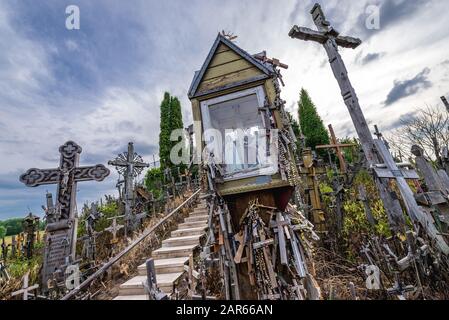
[173,252]
[196,218]
[170,265]
[181,241]
[135,286]
[183,232]
[195,224]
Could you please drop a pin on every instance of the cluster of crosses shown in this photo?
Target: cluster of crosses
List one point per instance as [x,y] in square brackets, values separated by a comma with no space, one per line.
[61,216]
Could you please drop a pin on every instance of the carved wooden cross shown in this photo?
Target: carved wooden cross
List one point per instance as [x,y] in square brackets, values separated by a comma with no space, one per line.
[338,149]
[61,229]
[331,40]
[25,288]
[129,164]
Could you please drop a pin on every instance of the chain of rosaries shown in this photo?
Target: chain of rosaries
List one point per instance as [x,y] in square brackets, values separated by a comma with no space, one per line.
[286,139]
[264,284]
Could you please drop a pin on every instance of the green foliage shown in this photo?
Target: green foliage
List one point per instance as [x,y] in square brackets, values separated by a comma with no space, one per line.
[164,135]
[13,226]
[153,181]
[351,154]
[171,119]
[355,221]
[311,125]
[108,209]
[2,231]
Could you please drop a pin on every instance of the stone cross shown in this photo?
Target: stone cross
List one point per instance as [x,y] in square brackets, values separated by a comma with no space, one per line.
[114,228]
[25,288]
[129,164]
[338,148]
[331,40]
[61,232]
[446,104]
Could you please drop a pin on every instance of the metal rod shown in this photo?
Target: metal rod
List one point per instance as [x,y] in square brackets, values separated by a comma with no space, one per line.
[126,250]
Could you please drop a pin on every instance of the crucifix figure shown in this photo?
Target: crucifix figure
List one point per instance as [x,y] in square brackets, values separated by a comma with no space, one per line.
[61,232]
[25,288]
[338,149]
[331,40]
[129,164]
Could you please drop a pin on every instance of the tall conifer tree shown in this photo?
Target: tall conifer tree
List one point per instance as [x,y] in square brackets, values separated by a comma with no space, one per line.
[312,126]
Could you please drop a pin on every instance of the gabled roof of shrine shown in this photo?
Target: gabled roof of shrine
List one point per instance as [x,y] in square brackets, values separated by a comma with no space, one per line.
[265,69]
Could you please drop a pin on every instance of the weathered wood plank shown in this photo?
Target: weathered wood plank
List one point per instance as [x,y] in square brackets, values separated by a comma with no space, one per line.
[229,78]
[222,48]
[226,68]
[224,57]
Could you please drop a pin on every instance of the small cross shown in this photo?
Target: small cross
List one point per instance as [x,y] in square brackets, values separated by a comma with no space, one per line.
[25,289]
[337,146]
[114,228]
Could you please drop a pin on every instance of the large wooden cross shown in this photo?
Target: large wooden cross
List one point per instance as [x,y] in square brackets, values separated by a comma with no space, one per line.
[61,232]
[331,40]
[129,164]
[338,149]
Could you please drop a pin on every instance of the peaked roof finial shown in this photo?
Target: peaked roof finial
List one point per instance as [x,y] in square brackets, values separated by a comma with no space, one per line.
[228,35]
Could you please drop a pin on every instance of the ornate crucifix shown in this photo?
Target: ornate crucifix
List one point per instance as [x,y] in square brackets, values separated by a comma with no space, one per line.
[331,40]
[61,231]
[338,149]
[129,165]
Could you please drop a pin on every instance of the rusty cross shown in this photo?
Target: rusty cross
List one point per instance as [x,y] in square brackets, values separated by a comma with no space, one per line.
[338,149]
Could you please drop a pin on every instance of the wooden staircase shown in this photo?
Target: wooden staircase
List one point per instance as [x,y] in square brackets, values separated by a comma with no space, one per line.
[169,260]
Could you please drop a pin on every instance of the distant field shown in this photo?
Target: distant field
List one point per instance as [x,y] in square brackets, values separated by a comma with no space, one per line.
[9,238]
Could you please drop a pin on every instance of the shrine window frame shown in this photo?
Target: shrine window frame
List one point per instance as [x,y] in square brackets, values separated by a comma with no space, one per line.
[259,91]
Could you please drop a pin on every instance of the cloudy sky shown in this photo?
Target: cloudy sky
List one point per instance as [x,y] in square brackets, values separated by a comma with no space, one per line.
[101,85]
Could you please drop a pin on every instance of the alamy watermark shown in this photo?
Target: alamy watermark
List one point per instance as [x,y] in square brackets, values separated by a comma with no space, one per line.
[72,21]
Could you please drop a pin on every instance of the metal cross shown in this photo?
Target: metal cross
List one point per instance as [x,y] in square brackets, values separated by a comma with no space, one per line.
[331,40]
[66,177]
[129,164]
[61,232]
[25,289]
[338,149]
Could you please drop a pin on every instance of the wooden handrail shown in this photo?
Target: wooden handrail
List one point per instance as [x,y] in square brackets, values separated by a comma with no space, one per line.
[113,260]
